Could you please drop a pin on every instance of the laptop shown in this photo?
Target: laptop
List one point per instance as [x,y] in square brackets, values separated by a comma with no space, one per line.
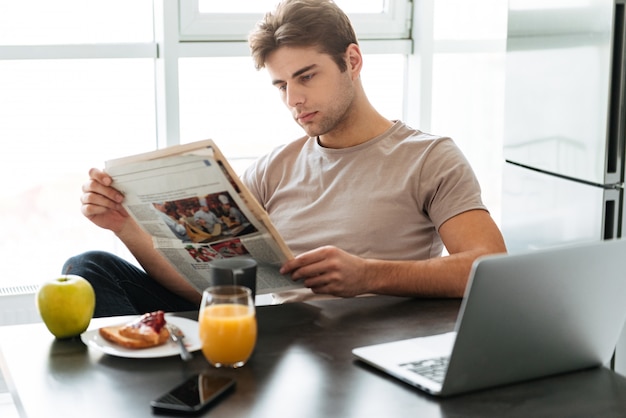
[523,316]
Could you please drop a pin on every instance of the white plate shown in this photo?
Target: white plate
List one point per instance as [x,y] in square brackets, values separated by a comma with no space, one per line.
[93,339]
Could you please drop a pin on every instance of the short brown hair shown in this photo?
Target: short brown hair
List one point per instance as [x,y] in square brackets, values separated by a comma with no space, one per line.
[303,23]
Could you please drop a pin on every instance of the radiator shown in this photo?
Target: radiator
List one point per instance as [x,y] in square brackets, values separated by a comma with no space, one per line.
[17,305]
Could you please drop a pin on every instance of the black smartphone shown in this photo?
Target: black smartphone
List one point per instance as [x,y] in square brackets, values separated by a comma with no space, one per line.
[193,395]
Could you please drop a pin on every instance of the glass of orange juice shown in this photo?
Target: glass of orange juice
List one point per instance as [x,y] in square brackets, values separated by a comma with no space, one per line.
[227,323]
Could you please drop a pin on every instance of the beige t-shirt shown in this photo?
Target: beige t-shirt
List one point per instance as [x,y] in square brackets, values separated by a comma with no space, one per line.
[384,199]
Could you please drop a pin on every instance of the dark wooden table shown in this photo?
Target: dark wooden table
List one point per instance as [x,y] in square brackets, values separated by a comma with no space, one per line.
[302,367]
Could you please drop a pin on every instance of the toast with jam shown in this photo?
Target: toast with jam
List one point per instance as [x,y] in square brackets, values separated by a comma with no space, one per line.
[147,331]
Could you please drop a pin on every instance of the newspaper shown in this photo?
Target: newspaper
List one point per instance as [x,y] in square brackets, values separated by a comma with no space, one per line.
[188,198]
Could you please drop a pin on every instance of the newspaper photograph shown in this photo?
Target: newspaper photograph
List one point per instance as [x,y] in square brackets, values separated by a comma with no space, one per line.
[196,210]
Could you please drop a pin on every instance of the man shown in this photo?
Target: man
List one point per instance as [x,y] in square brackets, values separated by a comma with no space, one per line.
[234,214]
[177,226]
[206,219]
[365,203]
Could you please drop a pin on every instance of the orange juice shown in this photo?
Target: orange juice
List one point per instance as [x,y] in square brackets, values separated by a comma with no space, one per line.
[227,333]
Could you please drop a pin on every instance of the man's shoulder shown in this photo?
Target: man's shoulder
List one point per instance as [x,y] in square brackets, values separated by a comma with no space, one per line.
[285,151]
[275,160]
[402,137]
[403,131]
[295,146]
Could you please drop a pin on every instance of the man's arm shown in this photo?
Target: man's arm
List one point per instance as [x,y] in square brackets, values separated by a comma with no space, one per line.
[102,205]
[155,265]
[467,236]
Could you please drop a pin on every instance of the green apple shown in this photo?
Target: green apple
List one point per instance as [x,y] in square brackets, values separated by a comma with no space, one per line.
[66,305]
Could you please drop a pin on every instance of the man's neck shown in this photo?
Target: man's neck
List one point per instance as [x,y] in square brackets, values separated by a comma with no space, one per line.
[356,131]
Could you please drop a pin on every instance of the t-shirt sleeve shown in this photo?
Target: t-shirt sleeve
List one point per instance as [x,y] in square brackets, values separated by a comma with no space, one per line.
[252,177]
[447,183]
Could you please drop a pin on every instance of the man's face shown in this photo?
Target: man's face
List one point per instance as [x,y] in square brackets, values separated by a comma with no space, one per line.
[318,95]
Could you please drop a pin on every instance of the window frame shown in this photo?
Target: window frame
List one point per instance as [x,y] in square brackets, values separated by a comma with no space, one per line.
[194,26]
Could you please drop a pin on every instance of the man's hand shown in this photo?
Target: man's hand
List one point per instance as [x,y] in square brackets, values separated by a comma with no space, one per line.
[102,204]
[329,270]
[467,236]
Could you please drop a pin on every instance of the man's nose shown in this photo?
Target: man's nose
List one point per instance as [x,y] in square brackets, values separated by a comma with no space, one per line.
[294,96]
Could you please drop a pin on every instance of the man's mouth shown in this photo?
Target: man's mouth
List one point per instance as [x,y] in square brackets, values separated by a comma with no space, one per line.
[305,117]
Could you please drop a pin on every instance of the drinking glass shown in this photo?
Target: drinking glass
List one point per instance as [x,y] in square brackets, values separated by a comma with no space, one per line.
[227,324]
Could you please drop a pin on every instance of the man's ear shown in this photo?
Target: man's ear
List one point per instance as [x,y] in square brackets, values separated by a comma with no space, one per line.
[354,60]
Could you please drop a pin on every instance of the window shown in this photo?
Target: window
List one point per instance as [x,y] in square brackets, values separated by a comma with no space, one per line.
[465,98]
[74,93]
[220,20]
[261,6]
[40,22]
[59,118]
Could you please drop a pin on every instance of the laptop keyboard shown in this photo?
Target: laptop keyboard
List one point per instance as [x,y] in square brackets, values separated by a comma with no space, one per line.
[433,369]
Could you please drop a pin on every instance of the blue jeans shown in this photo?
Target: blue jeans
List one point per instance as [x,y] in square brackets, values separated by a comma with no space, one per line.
[121,288]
